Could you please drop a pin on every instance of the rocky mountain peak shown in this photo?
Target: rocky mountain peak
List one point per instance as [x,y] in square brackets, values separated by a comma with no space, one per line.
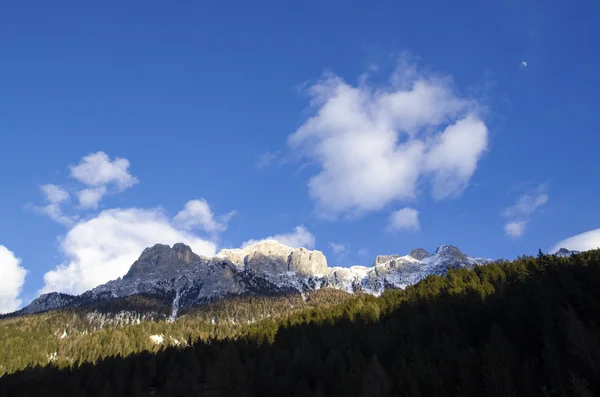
[52,300]
[273,257]
[381,259]
[419,253]
[184,253]
[162,259]
[450,250]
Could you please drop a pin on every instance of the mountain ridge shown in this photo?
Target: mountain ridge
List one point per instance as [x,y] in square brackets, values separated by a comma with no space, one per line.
[265,268]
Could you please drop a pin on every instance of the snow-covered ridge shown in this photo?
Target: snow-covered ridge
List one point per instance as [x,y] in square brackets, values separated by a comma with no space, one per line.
[179,276]
[565,253]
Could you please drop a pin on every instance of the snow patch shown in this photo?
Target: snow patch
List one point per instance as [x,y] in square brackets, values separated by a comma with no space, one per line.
[157,339]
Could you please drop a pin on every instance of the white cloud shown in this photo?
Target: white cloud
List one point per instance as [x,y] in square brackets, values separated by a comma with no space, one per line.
[404,219]
[453,158]
[56,197]
[363,252]
[582,242]
[374,144]
[99,173]
[300,237]
[97,169]
[54,193]
[526,205]
[12,277]
[338,249]
[89,198]
[104,247]
[54,212]
[520,213]
[515,229]
[197,214]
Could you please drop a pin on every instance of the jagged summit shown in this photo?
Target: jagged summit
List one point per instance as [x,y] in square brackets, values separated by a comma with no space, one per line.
[162,259]
[448,249]
[419,253]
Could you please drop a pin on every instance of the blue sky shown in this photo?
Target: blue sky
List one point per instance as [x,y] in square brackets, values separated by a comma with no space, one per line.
[353,128]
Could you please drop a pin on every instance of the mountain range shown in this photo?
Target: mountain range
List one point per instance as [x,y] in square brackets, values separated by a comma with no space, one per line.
[177,275]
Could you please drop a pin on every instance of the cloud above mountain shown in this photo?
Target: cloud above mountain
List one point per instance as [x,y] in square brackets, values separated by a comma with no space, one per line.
[581,242]
[197,214]
[373,144]
[12,278]
[99,174]
[96,175]
[104,247]
[404,219]
[299,237]
[101,245]
[55,197]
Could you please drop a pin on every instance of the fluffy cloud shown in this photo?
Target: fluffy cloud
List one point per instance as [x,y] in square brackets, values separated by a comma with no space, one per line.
[100,176]
[97,169]
[520,213]
[55,196]
[11,280]
[197,214]
[515,229]
[404,219]
[99,172]
[300,237]
[582,242]
[90,197]
[374,144]
[104,247]
[453,157]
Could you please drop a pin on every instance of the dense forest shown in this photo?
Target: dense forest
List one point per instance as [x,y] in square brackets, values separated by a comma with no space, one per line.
[123,326]
[529,327]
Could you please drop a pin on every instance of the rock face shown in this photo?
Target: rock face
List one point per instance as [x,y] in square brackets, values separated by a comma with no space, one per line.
[45,302]
[419,253]
[307,263]
[273,258]
[178,275]
[162,260]
[267,257]
[380,259]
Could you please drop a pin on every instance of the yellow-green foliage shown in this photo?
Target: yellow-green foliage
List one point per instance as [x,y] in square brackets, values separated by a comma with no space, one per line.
[72,337]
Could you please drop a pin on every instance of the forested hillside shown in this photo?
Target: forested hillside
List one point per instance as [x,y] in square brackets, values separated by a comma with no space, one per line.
[522,328]
[125,326]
